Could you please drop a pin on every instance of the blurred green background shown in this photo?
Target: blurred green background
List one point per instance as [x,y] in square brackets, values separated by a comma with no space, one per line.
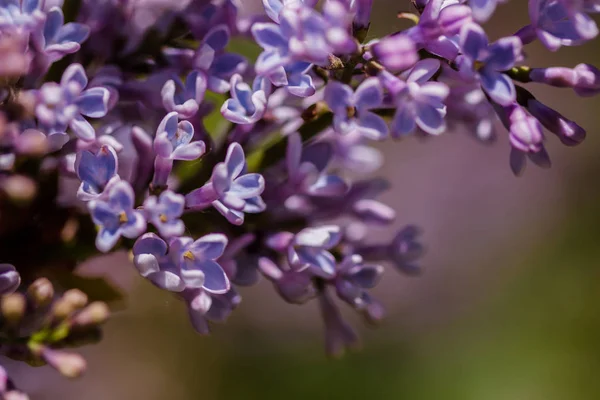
[508,306]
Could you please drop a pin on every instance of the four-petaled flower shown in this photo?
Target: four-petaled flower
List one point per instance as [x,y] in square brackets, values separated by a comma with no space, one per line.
[164,212]
[231,191]
[419,102]
[116,216]
[352,110]
[246,105]
[486,62]
[196,260]
[63,105]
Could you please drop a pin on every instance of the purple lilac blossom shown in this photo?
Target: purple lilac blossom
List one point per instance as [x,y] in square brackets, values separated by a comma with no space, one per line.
[116,216]
[63,105]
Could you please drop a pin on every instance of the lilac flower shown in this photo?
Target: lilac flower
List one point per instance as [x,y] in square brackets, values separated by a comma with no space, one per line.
[352,111]
[308,249]
[246,105]
[153,263]
[63,105]
[21,13]
[9,279]
[211,59]
[569,132]
[419,103]
[339,16]
[440,22]
[164,212]
[204,307]
[491,60]
[230,190]
[116,217]
[240,266]
[173,141]
[556,25]
[293,286]
[353,277]
[97,172]
[60,39]
[197,260]
[306,170]
[185,99]
[295,77]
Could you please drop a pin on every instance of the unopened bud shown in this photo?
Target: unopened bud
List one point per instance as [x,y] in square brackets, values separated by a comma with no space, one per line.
[31,143]
[95,313]
[76,297]
[13,307]
[70,365]
[19,188]
[41,292]
[15,395]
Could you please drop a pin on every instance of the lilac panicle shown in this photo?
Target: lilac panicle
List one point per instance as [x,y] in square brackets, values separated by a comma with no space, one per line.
[277,158]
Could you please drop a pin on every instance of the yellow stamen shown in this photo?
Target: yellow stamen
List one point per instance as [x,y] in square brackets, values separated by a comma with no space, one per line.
[123,217]
[188,255]
[163,218]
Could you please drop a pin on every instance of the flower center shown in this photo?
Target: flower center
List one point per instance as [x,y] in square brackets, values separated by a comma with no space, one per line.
[188,255]
[123,217]
[351,111]
[163,218]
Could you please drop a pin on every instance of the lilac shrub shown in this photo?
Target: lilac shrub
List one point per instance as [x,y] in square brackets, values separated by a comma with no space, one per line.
[139,127]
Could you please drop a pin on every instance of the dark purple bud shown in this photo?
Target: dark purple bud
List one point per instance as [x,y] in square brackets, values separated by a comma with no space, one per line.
[567,131]
[554,76]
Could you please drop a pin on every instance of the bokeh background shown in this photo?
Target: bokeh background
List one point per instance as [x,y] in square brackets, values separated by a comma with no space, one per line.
[508,306]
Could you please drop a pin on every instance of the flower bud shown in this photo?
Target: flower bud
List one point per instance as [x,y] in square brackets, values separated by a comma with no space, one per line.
[588,80]
[554,76]
[19,188]
[95,313]
[13,307]
[40,292]
[397,52]
[70,365]
[15,395]
[31,143]
[567,131]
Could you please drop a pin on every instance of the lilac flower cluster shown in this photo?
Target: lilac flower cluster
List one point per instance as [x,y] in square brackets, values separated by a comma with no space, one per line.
[108,136]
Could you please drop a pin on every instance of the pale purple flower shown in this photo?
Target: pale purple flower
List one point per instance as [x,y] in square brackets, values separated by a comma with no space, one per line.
[59,39]
[352,110]
[116,216]
[556,25]
[164,213]
[309,249]
[184,98]
[21,14]
[173,141]
[97,172]
[396,52]
[246,105]
[211,59]
[419,102]
[492,60]
[197,262]
[230,191]
[439,23]
[306,168]
[63,105]
[153,263]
